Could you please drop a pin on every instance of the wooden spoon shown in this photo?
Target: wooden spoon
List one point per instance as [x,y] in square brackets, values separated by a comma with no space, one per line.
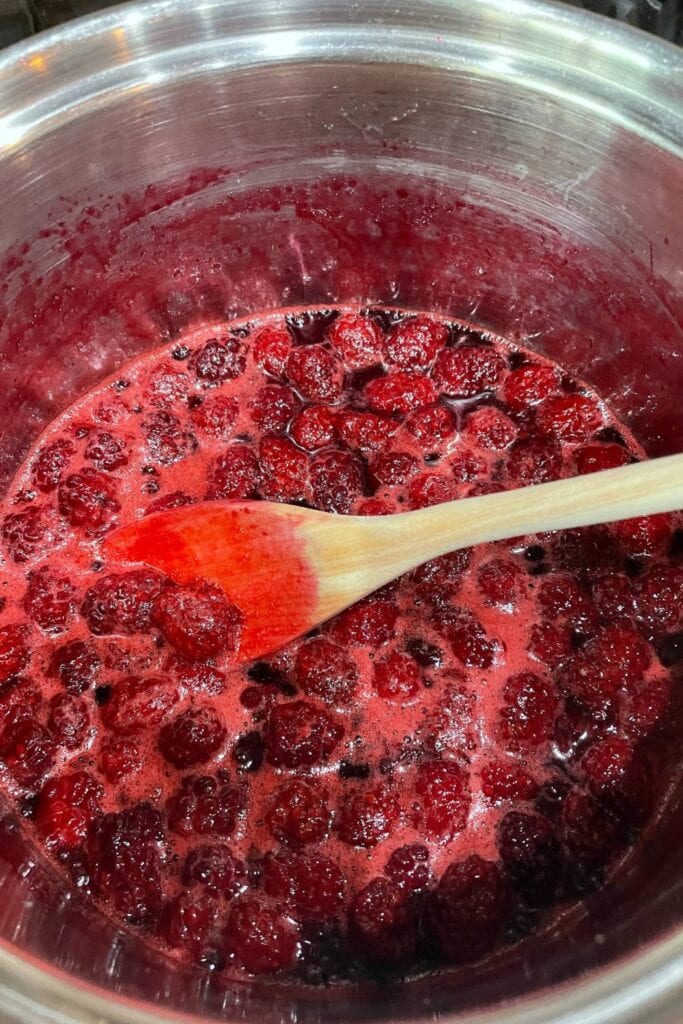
[290,568]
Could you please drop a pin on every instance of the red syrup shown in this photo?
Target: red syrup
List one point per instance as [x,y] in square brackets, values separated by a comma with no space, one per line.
[475,745]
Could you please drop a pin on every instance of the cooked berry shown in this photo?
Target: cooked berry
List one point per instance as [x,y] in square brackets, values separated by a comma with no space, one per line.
[216,416]
[192,737]
[397,678]
[50,464]
[315,373]
[592,458]
[198,621]
[106,451]
[260,938]
[325,670]
[270,349]
[49,600]
[314,428]
[370,622]
[365,432]
[310,885]
[219,361]
[529,385]
[14,651]
[500,581]
[138,703]
[382,926]
[467,909]
[466,637]
[66,806]
[204,805]
[357,339]
[119,757]
[298,814]
[188,921]
[468,370]
[28,750]
[531,853]
[569,417]
[529,712]
[408,868]
[122,602]
[414,343]
[505,780]
[284,470]
[298,734]
[76,665]
[69,720]
[272,407]
[620,777]
[214,868]
[234,474]
[443,799]
[87,499]
[337,480]
[24,533]
[399,393]
[124,860]
[367,815]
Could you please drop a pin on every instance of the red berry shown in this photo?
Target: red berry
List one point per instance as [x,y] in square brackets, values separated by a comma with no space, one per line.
[49,600]
[365,432]
[504,780]
[198,621]
[298,814]
[87,499]
[531,854]
[399,393]
[650,702]
[443,799]
[76,665]
[119,757]
[587,831]
[205,806]
[358,340]
[310,885]
[50,463]
[188,922]
[466,636]
[218,361]
[69,720]
[466,466]
[659,598]
[369,622]
[325,670]
[562,597]
[258,937]
[468,370]
[314,428]
[121,603]
[284,470]
[216,869]
[394,468]
[414,343]
[367,816]
[234,474]
[430,489]
[138,703]
[438,581]
[646,535]
[500,581]
[216,416]
[374,507]
[620,650]
[467,909]
[24,534]
[490,428]
[27,750]
[382,926]
[586,552]
[107,452]
[569,418]
[530,708]
[550,643]
[620,778]
[408,868]
[592,458]
[613,597]
[124,859]
[298,735]
[534,461]
[272,408]
[337,480]
[315,372]
[66,806]
[166,386]
[397,678]
[432,426]
[166,441]
[271,348]
[192,737]
[176,499]
[14,651]
[529,385]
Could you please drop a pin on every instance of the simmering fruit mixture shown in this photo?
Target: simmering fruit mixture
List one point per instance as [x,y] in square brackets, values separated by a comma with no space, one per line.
[418,782]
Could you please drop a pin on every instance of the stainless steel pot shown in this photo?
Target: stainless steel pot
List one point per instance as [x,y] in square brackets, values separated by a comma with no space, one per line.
[512,161]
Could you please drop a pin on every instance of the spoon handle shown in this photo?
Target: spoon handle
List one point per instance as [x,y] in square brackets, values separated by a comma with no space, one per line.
[643,488]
